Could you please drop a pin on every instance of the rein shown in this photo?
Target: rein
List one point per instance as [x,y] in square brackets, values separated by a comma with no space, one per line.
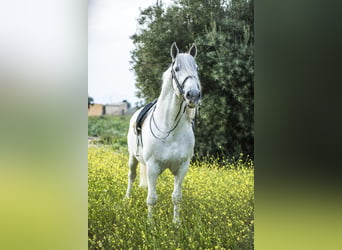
[179,115]
[177,120]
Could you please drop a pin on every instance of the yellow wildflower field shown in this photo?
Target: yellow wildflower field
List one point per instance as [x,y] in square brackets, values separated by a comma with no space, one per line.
[217,208]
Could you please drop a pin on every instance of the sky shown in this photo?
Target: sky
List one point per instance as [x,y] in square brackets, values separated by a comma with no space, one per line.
[110,24]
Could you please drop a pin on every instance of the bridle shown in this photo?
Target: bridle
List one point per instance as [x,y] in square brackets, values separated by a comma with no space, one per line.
[179,115]
[179,86]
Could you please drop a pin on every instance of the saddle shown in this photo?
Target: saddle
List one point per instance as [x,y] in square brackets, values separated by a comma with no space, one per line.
[142,115]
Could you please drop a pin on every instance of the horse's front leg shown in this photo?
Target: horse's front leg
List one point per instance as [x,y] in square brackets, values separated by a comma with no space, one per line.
[177,191]
[152,171]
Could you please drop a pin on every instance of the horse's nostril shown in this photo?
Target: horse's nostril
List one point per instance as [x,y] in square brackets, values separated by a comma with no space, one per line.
[196,95]
[188,94]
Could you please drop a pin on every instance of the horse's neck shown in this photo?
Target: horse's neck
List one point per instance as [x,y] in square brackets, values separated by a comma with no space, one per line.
[170,107]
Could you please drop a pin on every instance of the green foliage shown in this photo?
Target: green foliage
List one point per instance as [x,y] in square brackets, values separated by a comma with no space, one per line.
[217,209]
[223,32]
[110,130]
[90,101]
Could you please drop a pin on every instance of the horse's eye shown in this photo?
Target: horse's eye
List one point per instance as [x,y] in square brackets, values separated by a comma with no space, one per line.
[177,69]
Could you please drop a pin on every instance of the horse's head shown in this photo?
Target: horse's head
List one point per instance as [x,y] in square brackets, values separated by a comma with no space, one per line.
[184,75]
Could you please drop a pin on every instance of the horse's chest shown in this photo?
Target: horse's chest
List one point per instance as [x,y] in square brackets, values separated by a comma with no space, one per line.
[177,150]
[174,152]
[180,149]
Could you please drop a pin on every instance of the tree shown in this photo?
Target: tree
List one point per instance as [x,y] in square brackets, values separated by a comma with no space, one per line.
[90,102]
[223,32]
[128,104]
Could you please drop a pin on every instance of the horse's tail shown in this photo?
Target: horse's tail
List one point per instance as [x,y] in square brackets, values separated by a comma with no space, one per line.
[143,176]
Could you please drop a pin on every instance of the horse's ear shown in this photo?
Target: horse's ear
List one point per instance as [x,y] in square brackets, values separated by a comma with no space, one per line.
[193,50]
[174,51]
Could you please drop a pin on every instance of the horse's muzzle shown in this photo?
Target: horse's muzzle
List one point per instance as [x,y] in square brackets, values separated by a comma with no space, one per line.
[192,98]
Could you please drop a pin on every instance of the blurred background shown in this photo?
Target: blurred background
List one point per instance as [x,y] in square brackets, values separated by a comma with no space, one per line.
[43,131]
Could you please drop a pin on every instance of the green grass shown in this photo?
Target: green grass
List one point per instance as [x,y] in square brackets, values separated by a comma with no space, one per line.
[111,130]
[217,209]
